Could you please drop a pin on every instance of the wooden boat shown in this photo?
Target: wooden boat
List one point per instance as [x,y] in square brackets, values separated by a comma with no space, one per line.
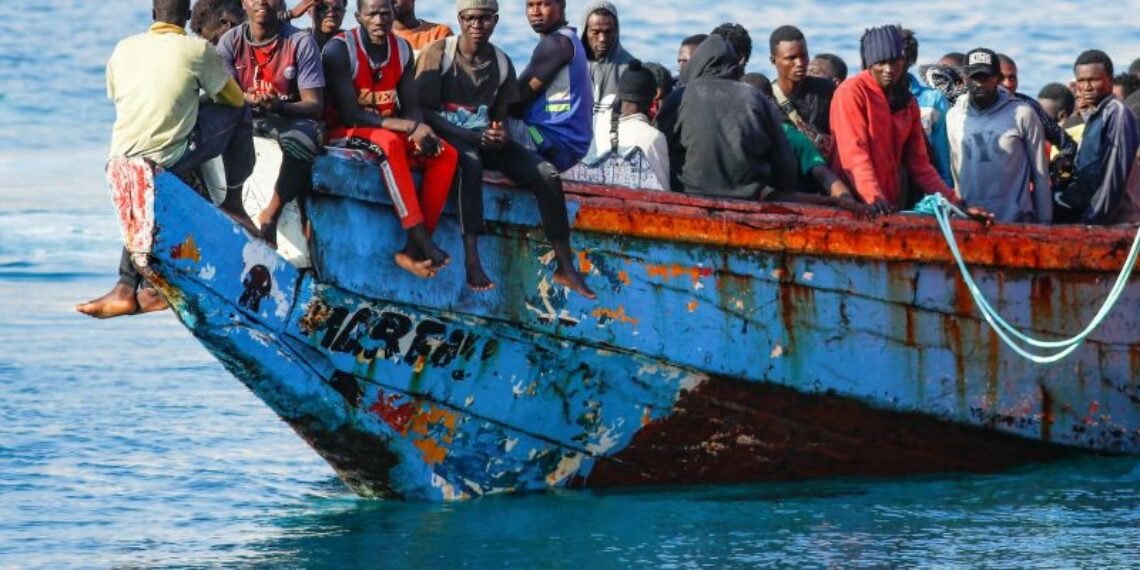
[730,342]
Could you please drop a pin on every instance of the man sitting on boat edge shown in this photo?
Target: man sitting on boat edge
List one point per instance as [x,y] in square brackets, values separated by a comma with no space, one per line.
[554,110]
[374,106]
[278,67]
[466,85]
[154,80]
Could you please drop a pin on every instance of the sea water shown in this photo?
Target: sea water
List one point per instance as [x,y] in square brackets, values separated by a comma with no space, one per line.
[124,444]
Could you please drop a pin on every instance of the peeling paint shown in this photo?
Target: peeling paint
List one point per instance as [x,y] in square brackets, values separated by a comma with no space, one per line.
[255,254]
[187,250]
[464,395]
[567,466]
[584,264]
[667,272]
[605,316]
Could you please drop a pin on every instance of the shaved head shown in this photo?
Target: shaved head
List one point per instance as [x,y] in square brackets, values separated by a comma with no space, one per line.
[172,11]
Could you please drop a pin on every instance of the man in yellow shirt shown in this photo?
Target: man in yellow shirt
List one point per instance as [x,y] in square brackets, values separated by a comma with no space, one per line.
[154,79]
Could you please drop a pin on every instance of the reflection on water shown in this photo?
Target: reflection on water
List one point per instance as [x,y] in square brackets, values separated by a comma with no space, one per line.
[1034,516]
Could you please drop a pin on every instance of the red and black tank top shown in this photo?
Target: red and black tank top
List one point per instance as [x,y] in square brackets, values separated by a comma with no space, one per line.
[376,82]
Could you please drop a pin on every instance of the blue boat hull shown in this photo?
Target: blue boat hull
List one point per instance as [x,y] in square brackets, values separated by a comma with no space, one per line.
[699,362]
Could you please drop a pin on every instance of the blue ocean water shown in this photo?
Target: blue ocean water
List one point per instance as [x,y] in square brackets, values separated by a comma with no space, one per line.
[124,444]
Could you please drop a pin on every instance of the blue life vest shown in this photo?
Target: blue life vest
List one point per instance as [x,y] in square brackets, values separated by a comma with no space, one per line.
[564,110]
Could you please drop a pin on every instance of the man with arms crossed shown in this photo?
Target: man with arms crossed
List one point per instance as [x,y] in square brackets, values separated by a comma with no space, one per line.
[1100,192]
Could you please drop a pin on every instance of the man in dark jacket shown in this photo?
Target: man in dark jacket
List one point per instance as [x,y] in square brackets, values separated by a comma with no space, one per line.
[724,136]
[1100,193]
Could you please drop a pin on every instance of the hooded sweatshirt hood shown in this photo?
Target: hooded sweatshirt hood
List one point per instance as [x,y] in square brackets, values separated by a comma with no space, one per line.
[713,59]
[724,135]
[607,70]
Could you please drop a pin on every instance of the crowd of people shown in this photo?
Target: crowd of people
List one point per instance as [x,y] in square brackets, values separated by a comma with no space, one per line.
[415,96]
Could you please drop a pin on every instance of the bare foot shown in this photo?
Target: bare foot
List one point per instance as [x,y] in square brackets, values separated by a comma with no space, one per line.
[575,282]
[477,279]
[150,301]
[118,302]
[268,229]
[421,269]
[420,242]
[242,220]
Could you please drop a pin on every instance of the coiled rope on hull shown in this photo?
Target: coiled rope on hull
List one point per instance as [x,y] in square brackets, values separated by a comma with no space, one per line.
[941,208]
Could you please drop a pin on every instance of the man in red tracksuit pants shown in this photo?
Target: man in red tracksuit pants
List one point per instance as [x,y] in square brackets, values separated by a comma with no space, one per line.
[371,77]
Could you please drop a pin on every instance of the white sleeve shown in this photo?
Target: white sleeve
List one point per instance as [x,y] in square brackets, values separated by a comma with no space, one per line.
[658,156]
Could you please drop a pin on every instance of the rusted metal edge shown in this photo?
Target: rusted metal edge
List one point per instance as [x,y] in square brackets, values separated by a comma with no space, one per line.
[807,230]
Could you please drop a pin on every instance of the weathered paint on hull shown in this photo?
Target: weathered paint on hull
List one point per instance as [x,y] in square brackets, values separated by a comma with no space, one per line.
[701,362]
[771,295]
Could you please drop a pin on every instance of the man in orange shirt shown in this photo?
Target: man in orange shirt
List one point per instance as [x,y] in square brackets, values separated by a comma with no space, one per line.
[419,33]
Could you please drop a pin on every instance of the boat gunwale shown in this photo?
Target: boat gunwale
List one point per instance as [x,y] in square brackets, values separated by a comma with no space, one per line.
[832,232]
[799,229]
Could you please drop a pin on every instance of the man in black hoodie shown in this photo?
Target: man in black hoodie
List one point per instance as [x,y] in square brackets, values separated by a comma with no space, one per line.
[724,136]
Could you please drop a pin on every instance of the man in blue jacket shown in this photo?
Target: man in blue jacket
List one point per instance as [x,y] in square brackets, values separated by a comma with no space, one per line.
[1100,193]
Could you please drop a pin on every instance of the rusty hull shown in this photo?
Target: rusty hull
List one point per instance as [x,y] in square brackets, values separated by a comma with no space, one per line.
[730,342]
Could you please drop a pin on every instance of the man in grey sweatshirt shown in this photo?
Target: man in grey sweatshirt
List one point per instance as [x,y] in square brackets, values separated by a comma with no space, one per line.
[997,151]
[601,34]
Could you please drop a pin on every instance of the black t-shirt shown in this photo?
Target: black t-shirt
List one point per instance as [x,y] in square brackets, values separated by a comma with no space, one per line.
[554,51]
[466,83]
[812,98]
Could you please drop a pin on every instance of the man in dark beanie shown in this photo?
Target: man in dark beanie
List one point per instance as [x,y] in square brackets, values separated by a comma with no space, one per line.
[878,127]
[631,131]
